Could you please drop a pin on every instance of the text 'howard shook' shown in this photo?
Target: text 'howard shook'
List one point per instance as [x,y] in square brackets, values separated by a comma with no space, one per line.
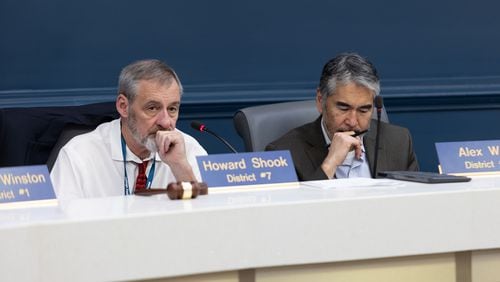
[257,163]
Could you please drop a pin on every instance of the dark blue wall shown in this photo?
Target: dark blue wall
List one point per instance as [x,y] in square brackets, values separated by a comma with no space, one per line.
[81,44]
[439,60]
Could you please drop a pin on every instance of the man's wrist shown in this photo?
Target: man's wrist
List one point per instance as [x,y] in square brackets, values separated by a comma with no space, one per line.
[329,170]
[183,171]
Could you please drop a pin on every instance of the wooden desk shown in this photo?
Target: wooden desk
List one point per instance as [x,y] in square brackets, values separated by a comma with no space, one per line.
[410,232]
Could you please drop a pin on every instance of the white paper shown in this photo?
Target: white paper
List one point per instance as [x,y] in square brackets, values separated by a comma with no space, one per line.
[352,183]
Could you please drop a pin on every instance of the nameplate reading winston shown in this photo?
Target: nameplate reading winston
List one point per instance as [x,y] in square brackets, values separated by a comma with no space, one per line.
[26,185]
[470,157]
[263,169]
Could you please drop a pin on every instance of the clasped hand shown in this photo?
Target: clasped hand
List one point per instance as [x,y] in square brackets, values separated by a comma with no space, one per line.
[342,144]
[171,146]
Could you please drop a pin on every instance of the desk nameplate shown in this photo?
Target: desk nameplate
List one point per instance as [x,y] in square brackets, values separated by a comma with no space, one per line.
[24,185]
[469,157]
[248,169]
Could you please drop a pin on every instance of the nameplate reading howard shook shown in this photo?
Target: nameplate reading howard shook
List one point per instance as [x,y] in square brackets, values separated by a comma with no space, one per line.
[247,169]
[469,158]
[26,185]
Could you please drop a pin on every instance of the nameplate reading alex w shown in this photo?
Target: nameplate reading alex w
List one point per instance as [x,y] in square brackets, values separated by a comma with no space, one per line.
[26,185]
[469,157]
[268,168]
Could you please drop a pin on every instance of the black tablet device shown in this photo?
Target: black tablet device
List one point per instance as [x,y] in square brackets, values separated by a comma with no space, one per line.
[423,176]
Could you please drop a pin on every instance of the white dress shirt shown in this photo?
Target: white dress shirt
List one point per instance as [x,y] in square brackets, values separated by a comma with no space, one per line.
[91,165]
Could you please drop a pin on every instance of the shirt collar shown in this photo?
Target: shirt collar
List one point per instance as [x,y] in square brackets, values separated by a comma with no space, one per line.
[325,135]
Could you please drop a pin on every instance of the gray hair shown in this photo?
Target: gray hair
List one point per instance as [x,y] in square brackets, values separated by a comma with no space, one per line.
[154,70]
[348,68]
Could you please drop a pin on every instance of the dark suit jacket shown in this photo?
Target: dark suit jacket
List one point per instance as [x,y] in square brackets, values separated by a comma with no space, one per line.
[308,149]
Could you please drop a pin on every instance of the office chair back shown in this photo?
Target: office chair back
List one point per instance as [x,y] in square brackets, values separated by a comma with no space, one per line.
[260,125]
[68,132]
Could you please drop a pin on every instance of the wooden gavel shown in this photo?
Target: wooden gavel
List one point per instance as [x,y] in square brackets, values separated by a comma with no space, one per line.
[178,190]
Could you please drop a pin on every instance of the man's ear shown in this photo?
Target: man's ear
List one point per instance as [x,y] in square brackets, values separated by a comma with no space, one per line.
[319,101]
[122,104]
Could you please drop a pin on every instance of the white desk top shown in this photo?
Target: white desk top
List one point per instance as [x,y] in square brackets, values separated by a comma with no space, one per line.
[122,238]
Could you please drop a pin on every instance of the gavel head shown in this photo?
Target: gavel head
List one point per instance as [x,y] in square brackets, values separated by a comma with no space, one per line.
[186,190]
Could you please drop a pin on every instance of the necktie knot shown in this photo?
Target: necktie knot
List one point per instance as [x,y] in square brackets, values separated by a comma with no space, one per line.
[140,183]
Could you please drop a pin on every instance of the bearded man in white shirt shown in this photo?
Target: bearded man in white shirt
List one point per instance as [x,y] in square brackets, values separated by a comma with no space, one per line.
[106,161]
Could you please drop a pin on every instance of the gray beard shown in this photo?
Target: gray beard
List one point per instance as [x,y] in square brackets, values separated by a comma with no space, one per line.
[150,144]
[148,141]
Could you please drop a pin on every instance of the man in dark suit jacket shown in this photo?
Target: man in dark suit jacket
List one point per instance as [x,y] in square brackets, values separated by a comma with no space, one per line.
[326,148]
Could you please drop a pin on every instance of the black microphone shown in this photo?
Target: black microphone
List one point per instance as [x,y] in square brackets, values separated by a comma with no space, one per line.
[379,103]
[201,127]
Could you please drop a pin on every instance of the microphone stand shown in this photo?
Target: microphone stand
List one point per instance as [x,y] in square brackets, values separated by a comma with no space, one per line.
[378,105]
[201,127]
[221,139]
